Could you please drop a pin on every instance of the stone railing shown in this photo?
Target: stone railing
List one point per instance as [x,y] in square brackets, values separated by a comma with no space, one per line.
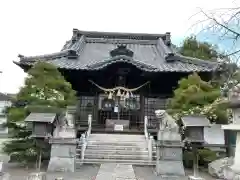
[85,136]
[149,139]
[145,127]
[89,125]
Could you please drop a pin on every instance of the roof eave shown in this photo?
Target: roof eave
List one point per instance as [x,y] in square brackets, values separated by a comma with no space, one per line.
[213,65]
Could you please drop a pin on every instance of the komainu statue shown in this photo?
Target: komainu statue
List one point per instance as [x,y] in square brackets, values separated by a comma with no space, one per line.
[166,122]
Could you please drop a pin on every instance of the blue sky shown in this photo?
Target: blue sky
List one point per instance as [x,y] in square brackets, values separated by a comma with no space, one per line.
[32,27]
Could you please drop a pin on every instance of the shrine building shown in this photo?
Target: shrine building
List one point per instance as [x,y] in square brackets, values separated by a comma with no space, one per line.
[121,76]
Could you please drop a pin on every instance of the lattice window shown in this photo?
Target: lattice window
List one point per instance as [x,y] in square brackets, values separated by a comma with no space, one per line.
[126,111]
[150,106]
[86,106]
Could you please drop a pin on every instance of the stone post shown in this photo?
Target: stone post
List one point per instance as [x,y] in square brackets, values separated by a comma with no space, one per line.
[145,127]
[150,144]
[89,125]
[83,147]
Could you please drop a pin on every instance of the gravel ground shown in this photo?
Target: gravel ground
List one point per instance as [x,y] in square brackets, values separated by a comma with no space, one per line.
[147,173]
[86,172]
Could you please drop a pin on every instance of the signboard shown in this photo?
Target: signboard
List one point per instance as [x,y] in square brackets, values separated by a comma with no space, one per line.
[118,127]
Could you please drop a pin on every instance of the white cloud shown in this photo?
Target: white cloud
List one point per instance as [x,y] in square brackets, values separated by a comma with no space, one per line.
[31,27]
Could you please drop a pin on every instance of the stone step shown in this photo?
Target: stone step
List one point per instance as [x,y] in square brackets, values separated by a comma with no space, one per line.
[109,147]
[118,161]
[118,136]
[120,152]
[138,144]
[116,140]
[116,156]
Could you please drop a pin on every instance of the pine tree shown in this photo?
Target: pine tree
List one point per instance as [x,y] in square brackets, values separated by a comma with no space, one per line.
[193,48]
[44,86]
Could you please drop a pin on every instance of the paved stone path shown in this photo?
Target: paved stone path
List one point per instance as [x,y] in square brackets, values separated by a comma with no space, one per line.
[94,172]
[115,172]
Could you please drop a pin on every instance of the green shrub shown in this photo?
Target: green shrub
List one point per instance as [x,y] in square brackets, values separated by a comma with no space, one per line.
[205,156]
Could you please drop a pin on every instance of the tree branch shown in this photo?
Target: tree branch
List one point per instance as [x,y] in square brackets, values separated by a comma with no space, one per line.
[222,25]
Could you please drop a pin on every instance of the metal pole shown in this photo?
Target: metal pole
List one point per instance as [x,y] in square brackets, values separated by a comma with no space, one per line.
[195,161]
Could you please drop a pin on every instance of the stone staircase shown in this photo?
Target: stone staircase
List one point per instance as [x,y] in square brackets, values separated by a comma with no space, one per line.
[116,148]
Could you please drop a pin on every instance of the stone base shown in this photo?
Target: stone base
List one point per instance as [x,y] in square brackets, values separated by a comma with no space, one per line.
[195,178]
[58,164]
[37,176]
[173,168]
[169,177]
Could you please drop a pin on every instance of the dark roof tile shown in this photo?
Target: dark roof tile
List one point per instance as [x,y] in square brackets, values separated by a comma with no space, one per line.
[91,51]
[41,117]
[5,97]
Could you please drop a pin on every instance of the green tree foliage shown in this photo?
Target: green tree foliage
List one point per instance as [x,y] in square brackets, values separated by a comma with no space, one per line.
[193,48]
[195,96]
[44,86]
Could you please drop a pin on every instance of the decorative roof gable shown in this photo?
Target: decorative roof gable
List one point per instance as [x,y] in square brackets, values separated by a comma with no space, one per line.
[121,50]
[96,50]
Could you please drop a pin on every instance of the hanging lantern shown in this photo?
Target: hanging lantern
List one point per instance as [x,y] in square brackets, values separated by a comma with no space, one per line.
[110,95]
[127,95]
[119,93]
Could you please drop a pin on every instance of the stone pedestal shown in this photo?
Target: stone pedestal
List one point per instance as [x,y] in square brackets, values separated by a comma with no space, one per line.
[169,154]
[63,154]
[63,150]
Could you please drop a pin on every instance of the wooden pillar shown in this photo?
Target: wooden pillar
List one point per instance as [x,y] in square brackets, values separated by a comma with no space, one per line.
[142,104]
[95,110]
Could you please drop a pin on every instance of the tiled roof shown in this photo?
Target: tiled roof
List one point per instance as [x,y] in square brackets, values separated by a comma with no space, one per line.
[41,117]
[195,121]
[91,51]
[5,97]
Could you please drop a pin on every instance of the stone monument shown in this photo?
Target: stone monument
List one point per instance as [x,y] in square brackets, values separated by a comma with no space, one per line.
[169,147]
[234,103]
[63,150]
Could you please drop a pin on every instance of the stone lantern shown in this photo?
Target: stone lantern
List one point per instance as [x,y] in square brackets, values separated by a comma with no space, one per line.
[234,104]
[194,136]
[41,124]
[194,128]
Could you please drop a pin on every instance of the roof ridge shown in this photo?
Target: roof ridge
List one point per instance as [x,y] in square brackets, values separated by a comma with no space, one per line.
[119,41]
[119,34]
[164,49]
